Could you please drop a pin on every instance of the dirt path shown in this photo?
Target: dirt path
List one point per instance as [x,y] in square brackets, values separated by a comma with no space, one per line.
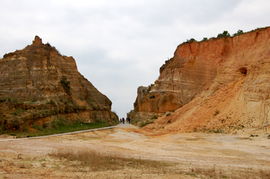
[191,154]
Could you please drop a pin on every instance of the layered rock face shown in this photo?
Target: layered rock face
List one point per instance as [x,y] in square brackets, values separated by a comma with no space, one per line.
[220,85]
[192,69]
[38,83]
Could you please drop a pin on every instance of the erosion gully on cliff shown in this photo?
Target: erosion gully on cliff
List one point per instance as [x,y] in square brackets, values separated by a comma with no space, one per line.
[38,86]
[218,85]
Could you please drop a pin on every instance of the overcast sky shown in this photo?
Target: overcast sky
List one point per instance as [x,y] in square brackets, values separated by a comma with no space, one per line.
[120,44]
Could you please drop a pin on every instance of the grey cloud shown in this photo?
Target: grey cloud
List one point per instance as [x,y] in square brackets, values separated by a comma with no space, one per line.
[162,13]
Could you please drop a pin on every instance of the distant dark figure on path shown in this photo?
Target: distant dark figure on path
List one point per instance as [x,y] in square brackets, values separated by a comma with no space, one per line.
[123,120]
[128,120]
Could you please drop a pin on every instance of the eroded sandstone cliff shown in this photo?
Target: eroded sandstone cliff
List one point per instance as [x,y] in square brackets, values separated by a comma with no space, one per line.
[38,85]
[222,84]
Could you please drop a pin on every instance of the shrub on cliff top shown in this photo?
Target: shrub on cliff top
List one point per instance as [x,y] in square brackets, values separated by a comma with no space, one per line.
[191,40]
[204,39]
[224,34]
[239,32]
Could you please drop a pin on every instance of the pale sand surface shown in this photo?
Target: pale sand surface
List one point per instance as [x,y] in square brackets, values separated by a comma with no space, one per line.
[230,155]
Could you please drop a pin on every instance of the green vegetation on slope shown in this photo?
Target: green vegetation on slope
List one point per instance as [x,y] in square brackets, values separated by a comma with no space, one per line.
[60,125]
[51,116]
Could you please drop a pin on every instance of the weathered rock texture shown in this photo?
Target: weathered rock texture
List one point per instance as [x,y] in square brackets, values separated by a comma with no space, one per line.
[39,84]
[217,85]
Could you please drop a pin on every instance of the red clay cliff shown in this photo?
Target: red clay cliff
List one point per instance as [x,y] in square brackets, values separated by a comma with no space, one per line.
[222,84]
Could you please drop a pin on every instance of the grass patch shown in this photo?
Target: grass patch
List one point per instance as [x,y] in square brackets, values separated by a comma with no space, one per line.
[66,85]
[146,122]
[59,126]
[90,161]
[209,173]
[18,111]
[100,162]
[235,173]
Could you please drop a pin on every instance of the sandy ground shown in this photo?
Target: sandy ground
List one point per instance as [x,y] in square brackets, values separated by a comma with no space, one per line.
[190,155]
